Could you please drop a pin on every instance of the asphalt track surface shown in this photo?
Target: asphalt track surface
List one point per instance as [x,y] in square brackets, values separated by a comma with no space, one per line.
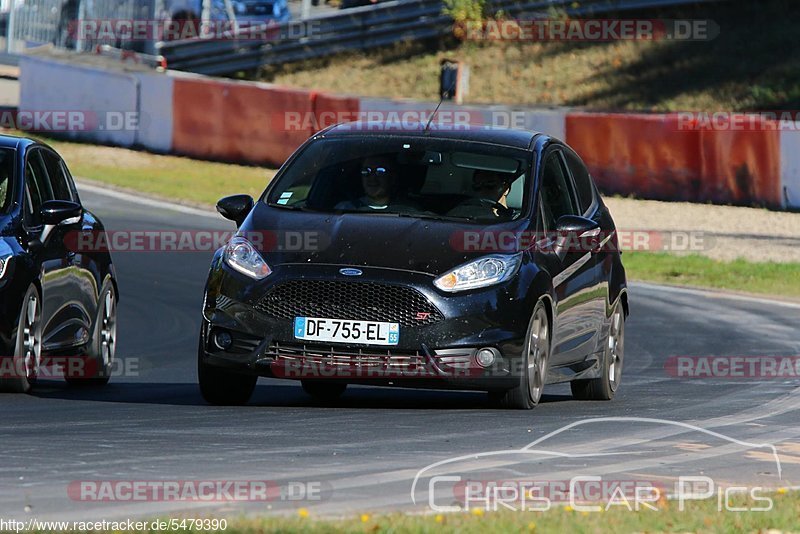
[364,452]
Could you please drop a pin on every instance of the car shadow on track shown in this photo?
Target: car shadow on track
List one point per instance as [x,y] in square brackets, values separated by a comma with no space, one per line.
[276,396]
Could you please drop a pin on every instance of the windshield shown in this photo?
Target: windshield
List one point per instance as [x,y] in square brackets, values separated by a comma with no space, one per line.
[418,177]
[6,177]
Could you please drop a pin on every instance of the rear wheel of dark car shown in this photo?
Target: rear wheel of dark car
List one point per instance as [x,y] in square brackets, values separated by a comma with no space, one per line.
[220,386]
[20,376]
[533,375]
[96,370]
[324,391]
[605,386]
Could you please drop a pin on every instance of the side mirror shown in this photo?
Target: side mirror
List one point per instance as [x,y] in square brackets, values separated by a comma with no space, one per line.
[235,207]
[577,235]
[55,212]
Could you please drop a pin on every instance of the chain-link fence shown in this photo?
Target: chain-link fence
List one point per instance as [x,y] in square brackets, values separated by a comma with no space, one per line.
[64,23]
[31,23]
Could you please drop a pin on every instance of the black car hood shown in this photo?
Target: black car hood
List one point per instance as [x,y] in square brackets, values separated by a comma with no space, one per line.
[412,244]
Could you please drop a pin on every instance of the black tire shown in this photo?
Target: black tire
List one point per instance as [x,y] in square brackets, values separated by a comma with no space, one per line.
[221,387]
[605,386]
[96,369]
[537,346]
[324,391]
[21,377]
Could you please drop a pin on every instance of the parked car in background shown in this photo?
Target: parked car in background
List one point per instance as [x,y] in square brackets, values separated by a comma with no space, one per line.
[254,11]
[345,4]
[244,11]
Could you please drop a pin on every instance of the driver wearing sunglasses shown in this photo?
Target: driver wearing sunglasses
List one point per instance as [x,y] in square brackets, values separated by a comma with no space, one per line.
[378,184]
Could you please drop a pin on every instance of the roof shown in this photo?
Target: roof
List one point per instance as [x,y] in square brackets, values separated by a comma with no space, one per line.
[13,141]
[462,132]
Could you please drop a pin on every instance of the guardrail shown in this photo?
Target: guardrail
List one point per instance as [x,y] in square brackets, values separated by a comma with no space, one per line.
[357,29]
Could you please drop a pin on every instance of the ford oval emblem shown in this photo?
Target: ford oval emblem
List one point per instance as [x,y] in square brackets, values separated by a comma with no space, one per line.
[351,272]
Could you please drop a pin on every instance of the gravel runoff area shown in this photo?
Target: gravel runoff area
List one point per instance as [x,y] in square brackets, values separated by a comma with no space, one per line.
[719,232]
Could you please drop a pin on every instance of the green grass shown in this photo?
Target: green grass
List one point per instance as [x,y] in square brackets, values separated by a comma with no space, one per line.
[741,69]
[781,279]
[171,177]
[699,516]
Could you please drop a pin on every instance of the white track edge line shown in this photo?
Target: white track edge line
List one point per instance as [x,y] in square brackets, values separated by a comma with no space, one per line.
[128,197]
[715,294]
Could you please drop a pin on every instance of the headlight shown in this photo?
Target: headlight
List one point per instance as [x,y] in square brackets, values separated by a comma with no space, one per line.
[4,265]
[242,256]
[482,272]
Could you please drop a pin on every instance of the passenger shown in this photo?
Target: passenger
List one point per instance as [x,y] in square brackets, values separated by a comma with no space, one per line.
[489,191]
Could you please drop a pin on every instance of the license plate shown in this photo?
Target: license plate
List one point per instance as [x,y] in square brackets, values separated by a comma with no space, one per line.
[346,331]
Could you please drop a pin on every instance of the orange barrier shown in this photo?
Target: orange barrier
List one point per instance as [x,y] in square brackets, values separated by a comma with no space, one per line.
[644,155]
[332,109]
[661,157]
[741,167]
[237,121]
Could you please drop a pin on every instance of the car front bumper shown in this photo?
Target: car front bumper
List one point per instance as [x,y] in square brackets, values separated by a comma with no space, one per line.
[436,355]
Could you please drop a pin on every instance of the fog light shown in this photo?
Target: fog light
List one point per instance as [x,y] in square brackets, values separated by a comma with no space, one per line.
[222,339]
[485,357]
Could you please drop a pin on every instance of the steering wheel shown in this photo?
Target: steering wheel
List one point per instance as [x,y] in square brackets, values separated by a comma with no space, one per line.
[502,211]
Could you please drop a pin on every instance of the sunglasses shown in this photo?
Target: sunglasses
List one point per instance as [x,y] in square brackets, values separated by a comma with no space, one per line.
[373,171]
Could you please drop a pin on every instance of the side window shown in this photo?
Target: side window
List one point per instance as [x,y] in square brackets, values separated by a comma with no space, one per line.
[59,182]
[555,191]
[37,188]
[583,183]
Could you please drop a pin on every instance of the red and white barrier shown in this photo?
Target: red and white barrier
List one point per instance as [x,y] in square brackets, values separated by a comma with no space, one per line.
[646,155]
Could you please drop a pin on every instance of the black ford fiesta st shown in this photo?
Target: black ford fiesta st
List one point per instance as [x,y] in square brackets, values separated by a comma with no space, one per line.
[478,259]
[58,303]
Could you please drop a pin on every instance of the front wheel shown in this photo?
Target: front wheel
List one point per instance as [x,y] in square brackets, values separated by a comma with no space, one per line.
[24,368]
[533,376]
[222,387]
[605,386]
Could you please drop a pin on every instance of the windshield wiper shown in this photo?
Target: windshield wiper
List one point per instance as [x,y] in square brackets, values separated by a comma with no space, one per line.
[435,217]
[293,207]
[430,216]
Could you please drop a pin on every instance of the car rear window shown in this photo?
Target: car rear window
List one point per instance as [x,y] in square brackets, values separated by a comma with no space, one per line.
[423,177]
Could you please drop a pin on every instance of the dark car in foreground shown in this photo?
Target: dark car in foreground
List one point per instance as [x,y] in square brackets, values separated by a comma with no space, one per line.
[58,298]
[478,259]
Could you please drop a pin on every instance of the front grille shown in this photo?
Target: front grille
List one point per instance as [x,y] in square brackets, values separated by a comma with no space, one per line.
[306,360]
[365,301]
[385,359]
